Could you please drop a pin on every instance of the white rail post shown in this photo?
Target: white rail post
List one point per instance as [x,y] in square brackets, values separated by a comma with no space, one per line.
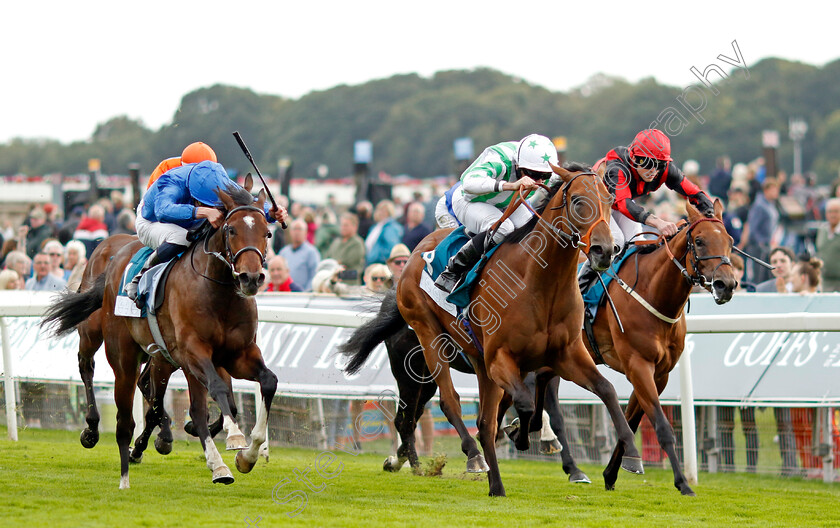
[689,429]
[9,382]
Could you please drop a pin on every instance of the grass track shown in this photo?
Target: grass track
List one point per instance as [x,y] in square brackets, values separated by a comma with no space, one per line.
[47,479]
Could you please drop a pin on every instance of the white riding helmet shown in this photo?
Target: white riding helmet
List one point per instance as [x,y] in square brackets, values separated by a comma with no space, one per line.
[535,152]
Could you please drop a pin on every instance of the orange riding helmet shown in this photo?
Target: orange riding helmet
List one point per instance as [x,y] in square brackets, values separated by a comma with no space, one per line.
[198,152]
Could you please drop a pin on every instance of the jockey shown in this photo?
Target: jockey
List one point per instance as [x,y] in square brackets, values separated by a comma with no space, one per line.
[636,171]
[487,187]
[194,153]
[178,201]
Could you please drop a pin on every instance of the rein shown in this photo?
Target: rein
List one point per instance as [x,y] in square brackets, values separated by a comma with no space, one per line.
[229,258]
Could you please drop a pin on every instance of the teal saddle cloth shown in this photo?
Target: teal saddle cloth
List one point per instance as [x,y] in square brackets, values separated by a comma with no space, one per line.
[450,245]
[594,296]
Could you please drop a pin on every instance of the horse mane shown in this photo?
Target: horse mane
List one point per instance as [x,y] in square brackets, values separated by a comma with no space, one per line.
[520,233]
[239,195]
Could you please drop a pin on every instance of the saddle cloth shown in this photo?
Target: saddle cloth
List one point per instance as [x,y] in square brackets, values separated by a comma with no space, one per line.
[436,261]
[594,296]
[147,290]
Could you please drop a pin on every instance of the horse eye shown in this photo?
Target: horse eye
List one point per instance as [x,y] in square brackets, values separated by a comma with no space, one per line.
[698,241]
[268,234]
[232,231]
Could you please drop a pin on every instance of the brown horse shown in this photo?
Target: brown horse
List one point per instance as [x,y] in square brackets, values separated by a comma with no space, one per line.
[208,321]
[654,335]
[526,312]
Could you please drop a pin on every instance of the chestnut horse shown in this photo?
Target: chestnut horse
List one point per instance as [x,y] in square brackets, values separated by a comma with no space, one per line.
[651,344]
[208,321]
[535,326]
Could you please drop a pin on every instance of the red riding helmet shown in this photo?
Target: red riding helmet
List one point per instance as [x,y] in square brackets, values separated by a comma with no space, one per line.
[198,152]
[651,143]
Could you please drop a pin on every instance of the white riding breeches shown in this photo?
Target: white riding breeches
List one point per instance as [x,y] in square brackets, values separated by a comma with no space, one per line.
[442,216]
[153,234]
[624,229]
[478,217]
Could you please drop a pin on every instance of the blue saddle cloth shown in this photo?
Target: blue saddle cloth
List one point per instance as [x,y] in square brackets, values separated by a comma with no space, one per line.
[450,245]
[594,296]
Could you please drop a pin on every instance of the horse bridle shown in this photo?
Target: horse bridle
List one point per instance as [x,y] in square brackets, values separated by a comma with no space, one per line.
[583,241]
[229,258]
[698,279]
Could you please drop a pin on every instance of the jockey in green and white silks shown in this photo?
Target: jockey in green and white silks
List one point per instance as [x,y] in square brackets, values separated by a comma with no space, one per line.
[487,187]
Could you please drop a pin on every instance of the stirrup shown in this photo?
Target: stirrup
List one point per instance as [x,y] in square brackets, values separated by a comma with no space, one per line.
[132,287]
[447,281]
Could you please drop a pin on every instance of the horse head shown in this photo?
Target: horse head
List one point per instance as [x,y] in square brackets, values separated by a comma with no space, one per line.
[708,249]
[583,204]
[244,237]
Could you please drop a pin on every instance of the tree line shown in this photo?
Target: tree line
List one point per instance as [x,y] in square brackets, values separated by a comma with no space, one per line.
[412,122]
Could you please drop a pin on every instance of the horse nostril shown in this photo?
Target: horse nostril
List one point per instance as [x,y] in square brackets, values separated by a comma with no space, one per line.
[597,251]
[719,285]
[261,279]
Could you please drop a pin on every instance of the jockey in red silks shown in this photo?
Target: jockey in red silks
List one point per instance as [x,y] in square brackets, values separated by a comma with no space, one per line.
[178,201]
[636,171]
[486,189]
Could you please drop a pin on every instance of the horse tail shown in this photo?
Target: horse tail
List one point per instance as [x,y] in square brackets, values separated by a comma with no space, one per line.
[72,308]
[388,322]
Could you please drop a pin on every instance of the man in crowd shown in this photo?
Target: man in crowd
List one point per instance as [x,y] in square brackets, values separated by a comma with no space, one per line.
[349,249]
[782,259]
[279,278]
[301,256]
[415,228]
[828,246]
[43,280]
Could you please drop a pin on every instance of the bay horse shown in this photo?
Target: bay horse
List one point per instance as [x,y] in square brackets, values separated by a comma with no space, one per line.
[543,312]
[654,324]
[208,321]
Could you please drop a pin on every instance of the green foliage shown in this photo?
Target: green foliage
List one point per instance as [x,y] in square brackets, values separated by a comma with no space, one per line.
[412,122]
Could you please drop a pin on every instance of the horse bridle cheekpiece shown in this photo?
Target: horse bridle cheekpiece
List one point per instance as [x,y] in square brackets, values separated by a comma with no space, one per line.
[698,278]
[584,241]
[229,258]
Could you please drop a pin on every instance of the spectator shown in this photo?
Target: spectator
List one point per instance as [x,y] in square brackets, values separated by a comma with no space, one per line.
[396,262]
[415,228]
[74,264]
[781,258]
[124,223]
[364,210]
[384,234]
[828,245]
[311,225]
[8,246]
[325,272]
[68,228]
[37,231]
[43,280]
[10,280]
[279,278]
[721,179]
[349,250]
[762,221]
[327,231]
[92,229]
[55,251]
[301,256]
[738,267]
[805,276]
[18,261]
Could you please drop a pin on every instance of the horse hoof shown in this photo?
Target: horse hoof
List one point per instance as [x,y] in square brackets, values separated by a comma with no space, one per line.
[549,447]
[392,464]
[477,464]
[264,452]
[163,447]
[222,475]
[236,442]
[688,492]
[89,438]
[124,482]
[511,428]
[633,465]
[189,428]
[242,465]
[579,477]
[134,458]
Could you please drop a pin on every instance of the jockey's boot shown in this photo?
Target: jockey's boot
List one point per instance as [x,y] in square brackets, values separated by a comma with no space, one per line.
[586,276]
[461,263]
[131,287]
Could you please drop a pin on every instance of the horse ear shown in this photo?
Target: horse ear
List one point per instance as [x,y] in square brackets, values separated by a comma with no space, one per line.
[718,209]
[227,201]
[560,171]
[261,199]
[249,182]
[692,211]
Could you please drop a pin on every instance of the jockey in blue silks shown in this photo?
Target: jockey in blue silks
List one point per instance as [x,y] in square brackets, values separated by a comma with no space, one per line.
[179,200]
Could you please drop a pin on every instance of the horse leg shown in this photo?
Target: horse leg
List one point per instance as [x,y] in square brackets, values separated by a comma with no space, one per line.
[490,395]
[634,415]
[198,412]
[153,381]
[552,407]
[505,373]
[577,366]
[437,346]
[216,426]
[89,343]
[249,365]
[123,355]
[413,398]
[541,382]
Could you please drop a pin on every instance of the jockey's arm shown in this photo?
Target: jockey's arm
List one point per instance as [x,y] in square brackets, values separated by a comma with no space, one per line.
[677,181]
[213,215]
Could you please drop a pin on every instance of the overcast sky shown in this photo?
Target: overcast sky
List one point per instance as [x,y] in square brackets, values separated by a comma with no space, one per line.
[67,66]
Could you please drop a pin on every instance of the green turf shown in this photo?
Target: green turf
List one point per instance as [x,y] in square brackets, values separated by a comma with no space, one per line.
[48,479]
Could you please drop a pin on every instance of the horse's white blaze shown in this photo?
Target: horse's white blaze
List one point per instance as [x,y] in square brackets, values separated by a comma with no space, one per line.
[249,221]
[124,482]
[214,459]
[258,434]
[231,427]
